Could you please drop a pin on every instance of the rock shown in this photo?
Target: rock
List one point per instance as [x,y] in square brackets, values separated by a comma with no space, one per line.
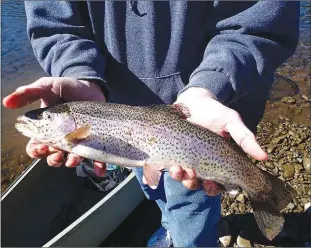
[225,240]
[288,169]
[271,149]
[277,140]
[307,207]
[281,161]
[304,200]
[299,209]
[240,198]
[269,165]
[288,99]
[241,242]
[307,163]
[224,205]
[298,168]
[290,206]
[298,111]
[296,202]
[242,208]
[234,205]
[300,147]
[305,97]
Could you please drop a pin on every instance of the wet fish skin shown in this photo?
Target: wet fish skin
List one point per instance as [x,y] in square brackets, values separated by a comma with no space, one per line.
[154,138]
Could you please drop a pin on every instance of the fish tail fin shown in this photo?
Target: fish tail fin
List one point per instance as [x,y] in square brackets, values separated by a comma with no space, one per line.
[269,223]
[267,213]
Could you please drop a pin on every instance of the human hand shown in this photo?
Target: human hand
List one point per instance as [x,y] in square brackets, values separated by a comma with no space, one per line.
[221,120]
[51,91]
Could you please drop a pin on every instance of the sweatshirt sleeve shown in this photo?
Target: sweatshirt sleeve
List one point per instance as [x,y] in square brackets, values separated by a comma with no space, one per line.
[62,40]
[248,47]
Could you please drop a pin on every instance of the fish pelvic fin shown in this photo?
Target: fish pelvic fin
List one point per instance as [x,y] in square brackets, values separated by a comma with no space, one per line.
[267,211]
[152,174]
[79,134]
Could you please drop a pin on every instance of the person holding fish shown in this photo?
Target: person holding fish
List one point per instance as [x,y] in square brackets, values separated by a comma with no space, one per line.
[214,60]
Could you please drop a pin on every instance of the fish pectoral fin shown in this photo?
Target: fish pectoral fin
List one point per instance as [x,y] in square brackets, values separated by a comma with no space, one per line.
[79,134]
[152,174]
[270,223]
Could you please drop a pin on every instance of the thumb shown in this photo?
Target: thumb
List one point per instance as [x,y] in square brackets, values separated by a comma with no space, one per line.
[245,138]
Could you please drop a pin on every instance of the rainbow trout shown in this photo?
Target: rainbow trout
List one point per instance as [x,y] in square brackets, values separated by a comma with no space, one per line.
[156,138]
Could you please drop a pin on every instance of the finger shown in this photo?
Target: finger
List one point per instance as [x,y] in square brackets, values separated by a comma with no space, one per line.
[99,168]
[210,188]
[189,179]
[224,134]
[23,97]
[177,173]
[36,150]
[30,93]
[73,160]
[191,184]
[245,138]
[56,159]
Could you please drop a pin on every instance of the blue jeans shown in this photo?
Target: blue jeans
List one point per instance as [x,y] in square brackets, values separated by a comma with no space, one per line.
[190,215]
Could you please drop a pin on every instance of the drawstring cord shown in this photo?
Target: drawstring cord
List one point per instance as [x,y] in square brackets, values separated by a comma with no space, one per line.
[131,3]
[133,7]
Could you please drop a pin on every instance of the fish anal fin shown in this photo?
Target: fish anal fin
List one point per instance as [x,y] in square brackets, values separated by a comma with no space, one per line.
[281,193]
[270,223]
[79,134]
[152,174]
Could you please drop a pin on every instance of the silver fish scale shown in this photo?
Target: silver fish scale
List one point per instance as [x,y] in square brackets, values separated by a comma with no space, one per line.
[160,134]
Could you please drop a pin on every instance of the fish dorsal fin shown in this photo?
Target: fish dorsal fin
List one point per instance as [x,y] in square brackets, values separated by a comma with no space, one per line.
[79,134]
[178,109]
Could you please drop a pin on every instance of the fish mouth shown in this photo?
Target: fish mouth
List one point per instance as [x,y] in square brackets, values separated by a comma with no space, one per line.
[26,126]
[21,120]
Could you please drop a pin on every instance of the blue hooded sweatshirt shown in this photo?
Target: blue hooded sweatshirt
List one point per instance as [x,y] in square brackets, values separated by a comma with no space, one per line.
[147,52]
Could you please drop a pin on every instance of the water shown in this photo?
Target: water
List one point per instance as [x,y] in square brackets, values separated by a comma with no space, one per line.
[16,52]
[20,67]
